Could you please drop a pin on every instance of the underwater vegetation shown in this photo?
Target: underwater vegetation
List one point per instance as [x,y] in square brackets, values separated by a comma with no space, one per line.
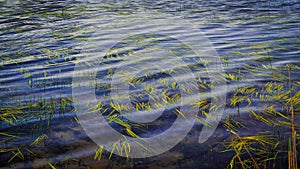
[39,127]
[273,102]
[279,102]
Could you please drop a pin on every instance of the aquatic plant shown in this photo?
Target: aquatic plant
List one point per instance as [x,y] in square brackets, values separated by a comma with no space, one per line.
[279,98]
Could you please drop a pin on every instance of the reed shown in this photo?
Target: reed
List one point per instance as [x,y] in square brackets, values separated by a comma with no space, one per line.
[292,152]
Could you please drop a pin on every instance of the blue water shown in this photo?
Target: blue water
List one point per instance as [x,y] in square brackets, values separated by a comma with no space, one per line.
[42,41]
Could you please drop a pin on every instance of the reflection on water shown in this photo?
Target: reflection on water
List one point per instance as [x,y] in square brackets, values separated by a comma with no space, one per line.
[41,41]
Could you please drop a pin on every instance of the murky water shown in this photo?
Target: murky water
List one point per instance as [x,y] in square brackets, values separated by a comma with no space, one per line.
[41,42]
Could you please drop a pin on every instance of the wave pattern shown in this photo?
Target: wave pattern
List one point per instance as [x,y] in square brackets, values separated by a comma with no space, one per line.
[42,41]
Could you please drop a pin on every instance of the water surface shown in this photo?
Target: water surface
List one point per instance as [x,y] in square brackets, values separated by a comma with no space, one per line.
[41,41]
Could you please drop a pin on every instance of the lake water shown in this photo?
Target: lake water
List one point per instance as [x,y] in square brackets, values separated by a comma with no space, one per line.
[42,42]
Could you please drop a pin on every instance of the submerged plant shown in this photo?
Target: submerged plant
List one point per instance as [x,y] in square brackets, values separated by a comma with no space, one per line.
[279,98]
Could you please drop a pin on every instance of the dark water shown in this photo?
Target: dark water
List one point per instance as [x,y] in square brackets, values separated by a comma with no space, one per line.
[42,41]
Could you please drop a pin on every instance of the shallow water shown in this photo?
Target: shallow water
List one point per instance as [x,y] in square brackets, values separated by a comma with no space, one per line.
[41,42]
